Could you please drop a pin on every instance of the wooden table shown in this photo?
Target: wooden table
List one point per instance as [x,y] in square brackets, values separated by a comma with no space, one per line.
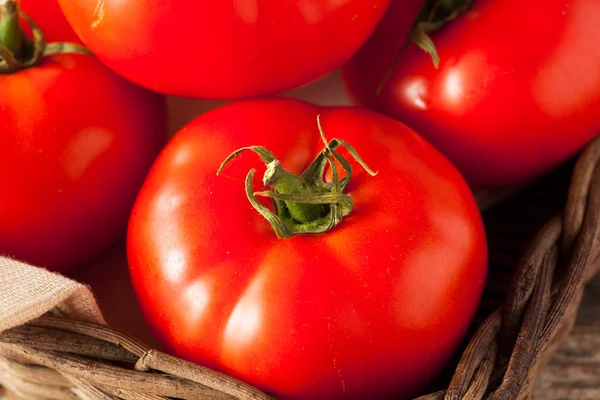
[574,372]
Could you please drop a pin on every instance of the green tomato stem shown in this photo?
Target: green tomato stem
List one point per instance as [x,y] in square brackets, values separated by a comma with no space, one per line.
[305,204]
[285,182]
[17,51]
[434,15]
[12,36]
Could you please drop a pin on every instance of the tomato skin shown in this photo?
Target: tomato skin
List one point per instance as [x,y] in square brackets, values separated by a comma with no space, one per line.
[371,308]
[50,19]
[224,49]
[504,114]
[77,141]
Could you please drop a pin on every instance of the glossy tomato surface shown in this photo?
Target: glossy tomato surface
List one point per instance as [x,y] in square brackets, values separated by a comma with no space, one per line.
[372,308]
[517,91]
[50,19]
[77,141]
[227,49]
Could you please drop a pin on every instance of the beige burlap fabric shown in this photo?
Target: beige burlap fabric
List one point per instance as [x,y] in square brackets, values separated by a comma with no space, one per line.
[27,292]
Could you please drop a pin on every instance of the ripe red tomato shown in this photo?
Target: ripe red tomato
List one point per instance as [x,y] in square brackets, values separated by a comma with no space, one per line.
[373,307]
[77,141]
[224,49]
[51,20]
[516,93]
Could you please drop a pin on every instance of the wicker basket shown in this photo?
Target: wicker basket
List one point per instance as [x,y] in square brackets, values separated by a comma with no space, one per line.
[519,327]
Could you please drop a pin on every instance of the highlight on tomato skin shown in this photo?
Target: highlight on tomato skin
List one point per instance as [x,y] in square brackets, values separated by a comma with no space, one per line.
[372,307]
[509,101]
[224,50]
[77,142]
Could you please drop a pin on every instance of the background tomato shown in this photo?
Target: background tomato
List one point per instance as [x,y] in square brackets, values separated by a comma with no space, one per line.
[223,49]
[77,141]
[516,93]
[374,307]
[51,20]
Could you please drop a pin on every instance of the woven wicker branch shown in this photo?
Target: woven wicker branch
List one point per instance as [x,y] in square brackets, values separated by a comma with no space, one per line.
[53,358]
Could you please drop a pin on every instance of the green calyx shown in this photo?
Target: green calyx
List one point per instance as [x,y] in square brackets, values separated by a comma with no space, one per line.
[11,35]
[434,15]
[17,51]
[305,204]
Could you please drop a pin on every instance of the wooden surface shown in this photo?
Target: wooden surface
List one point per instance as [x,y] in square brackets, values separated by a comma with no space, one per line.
[574,372]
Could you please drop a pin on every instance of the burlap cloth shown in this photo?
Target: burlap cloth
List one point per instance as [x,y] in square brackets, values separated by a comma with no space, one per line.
[27,292]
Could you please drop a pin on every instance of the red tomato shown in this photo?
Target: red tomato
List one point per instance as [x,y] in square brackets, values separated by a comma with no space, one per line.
[371,308]
[517,91]
[224,49]
[51,20]
[77,141]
